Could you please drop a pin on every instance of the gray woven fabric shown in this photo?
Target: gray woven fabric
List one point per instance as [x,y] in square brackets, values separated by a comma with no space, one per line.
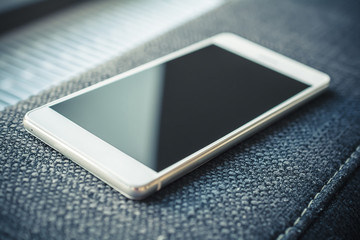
[273,185]
[341,218]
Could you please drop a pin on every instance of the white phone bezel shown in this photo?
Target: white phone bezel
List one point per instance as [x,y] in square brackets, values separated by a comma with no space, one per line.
[134,179]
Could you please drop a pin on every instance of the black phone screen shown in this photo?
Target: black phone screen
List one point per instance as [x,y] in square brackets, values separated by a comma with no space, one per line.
[165,113]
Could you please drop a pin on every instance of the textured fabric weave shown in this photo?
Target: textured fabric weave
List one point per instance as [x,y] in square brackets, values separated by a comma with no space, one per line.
[341,219]
[273,185]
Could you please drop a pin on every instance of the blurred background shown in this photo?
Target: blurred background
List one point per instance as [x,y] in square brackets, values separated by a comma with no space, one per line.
[45,42]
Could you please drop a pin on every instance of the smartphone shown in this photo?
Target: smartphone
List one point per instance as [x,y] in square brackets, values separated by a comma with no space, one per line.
[142,129]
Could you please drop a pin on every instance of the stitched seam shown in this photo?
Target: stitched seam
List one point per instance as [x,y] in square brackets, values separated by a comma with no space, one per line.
[282,235]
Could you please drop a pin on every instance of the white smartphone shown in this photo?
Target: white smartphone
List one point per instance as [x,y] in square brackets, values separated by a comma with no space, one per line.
[140,130]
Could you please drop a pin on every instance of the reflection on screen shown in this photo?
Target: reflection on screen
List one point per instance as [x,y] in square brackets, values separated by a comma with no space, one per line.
[165,113]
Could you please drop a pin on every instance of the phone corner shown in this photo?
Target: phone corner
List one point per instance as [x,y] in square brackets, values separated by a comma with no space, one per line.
[226,35]
[140,192]
[27,116]
[324,80]
[327,78]
[26,120]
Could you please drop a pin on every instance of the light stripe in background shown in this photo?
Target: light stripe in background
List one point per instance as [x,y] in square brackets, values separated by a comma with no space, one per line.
[66,44]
